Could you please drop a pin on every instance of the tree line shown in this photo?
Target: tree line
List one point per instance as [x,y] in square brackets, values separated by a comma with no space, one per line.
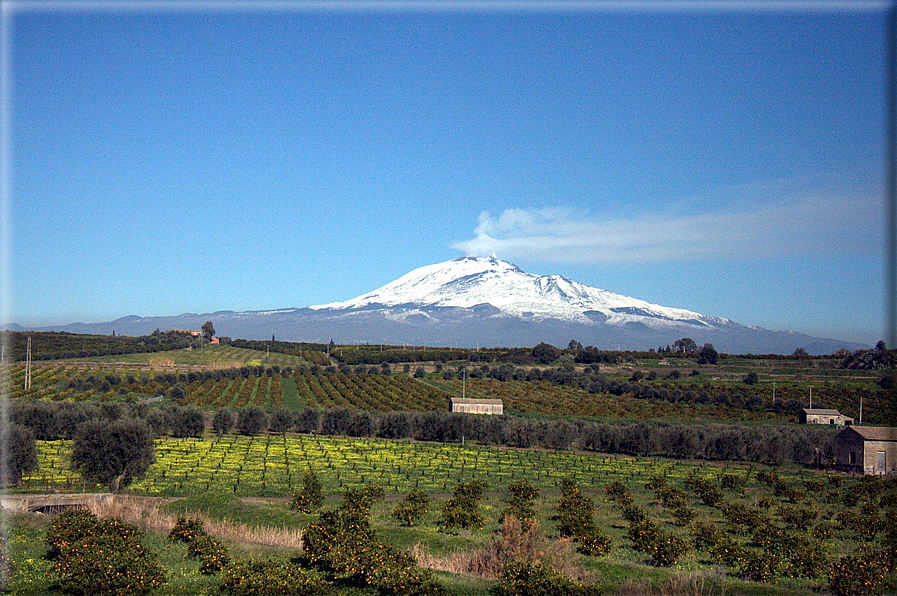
[53,345]
[724,442]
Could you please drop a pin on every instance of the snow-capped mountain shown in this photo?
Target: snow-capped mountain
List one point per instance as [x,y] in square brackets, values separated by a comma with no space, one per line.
[467,282]
[474,301]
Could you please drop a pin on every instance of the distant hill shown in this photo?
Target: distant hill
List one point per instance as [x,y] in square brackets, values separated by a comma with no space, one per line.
[473,301]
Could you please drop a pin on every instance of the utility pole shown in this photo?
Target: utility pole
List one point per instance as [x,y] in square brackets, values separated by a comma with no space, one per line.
[861,409]
[811,397]
[28,365]
[773,392]
[463,383]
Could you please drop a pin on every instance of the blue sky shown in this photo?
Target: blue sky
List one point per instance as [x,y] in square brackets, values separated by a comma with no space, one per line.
[725,162]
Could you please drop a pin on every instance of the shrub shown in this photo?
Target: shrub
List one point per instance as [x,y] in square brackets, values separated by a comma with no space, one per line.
[521,503]
[593,542]
[757,566]
[683,514]
[822,531]
[358,501]
[101,557]
[724,549]
[655,482]
[664,548]
[705,491]
[863,571]
[212,555]
[412,508]
[524,579]
[224,421]
[461,510]
[798,517]
[308,498]
[342,542]
[270,578]
[732,481]
[575,512]
[704,536]
[618,491]
[742,517]
[186,530]
[809,560]
[69,527]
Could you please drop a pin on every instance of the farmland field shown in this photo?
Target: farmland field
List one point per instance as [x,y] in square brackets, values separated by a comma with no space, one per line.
[546,399]
[272,465]
[782,515]
[220,356]
[741,527]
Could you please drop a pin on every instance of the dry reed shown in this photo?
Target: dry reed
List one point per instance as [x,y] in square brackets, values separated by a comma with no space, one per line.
[514,541]
[144,513]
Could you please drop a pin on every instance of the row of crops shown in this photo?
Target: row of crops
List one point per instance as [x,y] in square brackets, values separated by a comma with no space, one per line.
[273,465]
[216,356]
[323,390]
[543,398]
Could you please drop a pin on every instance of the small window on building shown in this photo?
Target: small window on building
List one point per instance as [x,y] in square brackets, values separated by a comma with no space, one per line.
[852,458]
[831,420]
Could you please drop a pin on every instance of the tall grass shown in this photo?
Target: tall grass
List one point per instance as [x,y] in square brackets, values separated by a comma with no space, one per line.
[144,512]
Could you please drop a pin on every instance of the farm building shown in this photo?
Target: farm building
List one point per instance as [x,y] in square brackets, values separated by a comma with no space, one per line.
[476,406]
[867,449]
[819,416]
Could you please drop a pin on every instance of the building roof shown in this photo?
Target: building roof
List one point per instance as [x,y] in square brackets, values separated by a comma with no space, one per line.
[488,402]
[876,433]
[821,412]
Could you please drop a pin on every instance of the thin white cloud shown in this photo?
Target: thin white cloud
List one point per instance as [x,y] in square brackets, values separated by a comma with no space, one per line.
[811,227]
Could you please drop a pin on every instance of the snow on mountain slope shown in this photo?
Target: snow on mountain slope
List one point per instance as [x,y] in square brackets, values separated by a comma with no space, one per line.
[466,282]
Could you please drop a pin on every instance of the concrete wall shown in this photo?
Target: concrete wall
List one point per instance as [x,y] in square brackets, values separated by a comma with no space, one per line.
[866,454]
[870,461]
[846,444]
[820,419]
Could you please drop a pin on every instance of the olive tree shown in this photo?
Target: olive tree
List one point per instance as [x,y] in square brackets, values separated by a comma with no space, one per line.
[252,420]
[113,453]
[223,421]
[21,452]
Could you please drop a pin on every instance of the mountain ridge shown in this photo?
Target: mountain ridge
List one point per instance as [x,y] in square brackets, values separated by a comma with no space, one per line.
[484,301]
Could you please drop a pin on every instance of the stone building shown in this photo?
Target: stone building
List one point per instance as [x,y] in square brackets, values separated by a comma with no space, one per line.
[820,416]
[866,449]
[476,406]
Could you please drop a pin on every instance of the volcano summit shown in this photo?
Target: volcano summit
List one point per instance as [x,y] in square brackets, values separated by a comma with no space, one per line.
[472,301]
